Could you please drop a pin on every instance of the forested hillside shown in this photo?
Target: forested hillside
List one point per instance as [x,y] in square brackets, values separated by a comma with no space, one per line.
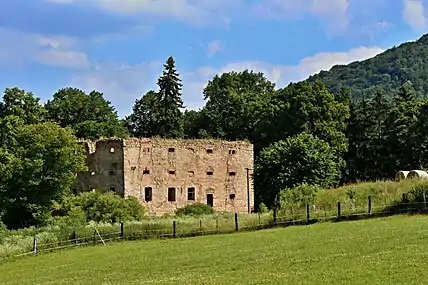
[303,134]
[386,71]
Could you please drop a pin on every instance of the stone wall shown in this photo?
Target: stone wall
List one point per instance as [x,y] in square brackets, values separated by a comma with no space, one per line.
[160,172]
[104,159]
[210,167]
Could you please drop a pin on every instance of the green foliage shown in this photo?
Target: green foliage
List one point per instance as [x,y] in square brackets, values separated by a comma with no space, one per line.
[299,196]
[142,121]
[96,117]
[195,209]
[303,158]
[263,208]
[24,105]
[158,113]
[100,207]
[387,71]
[38,163]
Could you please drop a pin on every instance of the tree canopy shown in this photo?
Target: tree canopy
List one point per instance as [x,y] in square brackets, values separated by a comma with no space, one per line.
[364,121]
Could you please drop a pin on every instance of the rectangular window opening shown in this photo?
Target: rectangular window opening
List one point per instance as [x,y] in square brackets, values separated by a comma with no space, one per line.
[232,151]
[191,193]
[171,149]
[210,172]
[146,171]
[209,150]
[171,194]
[148,194]
[172,172]
[232,196]
[232,173]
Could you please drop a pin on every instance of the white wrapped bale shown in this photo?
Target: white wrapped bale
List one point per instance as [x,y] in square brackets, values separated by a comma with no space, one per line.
[419,174]
[401,175]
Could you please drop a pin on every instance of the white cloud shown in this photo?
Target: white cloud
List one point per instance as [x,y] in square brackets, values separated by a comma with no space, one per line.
[213,47]
[414,13]
[18,47]
[334,13]
[197,11]
[122,85]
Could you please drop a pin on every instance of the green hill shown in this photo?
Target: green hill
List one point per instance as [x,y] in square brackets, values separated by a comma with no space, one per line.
[387,71]
[378,251]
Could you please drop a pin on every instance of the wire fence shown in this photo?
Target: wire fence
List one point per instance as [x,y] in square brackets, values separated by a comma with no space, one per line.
[285,216]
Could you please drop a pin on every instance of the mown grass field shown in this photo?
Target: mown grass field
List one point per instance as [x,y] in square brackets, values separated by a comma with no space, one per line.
[390,250]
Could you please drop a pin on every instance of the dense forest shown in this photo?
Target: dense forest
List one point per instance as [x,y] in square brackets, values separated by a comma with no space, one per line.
[307,133]
[386,71]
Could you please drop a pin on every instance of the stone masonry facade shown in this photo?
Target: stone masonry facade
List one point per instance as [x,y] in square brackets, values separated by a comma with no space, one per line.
[166,174]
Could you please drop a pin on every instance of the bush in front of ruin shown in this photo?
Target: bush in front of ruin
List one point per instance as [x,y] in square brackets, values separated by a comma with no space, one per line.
[195,209]
[99,207]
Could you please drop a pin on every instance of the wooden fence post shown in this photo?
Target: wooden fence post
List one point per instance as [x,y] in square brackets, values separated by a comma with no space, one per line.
[200,225]
[35,243]
[121,230]
[274,215]
[260,222]
[338,210]
[75,237]
[236,222]
[369,210]
[307,214]
[174,229]
[425,200]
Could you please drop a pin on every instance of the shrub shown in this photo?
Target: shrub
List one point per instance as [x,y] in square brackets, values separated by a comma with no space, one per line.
[99,207]
[263,208]
[195,209]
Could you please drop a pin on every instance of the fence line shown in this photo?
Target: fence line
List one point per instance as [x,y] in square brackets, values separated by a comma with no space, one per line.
[300,216]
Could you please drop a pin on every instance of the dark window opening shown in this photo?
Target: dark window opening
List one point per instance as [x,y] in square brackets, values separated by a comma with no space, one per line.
[232,173]
[171,149]
[148,149]
[232,151]
[171,194]
[210,200]
[146,171]
[148,194]
[191,193]
[210,172]
[172,172]
[112,189]
[232,196]
[209,150]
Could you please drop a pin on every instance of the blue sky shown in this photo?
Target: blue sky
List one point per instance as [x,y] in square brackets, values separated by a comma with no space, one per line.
[118,46]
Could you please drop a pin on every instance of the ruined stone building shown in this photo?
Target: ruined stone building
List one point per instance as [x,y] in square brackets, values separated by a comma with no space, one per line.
[169,174]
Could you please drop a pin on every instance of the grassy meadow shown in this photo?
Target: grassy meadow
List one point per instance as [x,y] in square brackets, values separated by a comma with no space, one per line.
[353,200]
[389,250]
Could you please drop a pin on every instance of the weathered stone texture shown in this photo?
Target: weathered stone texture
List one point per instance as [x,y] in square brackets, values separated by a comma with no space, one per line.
[104,159]
[161,164]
